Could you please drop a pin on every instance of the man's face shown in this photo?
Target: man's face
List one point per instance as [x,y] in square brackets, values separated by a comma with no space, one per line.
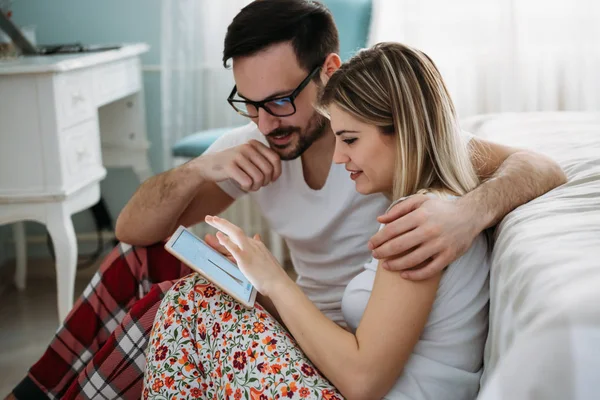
[275,72]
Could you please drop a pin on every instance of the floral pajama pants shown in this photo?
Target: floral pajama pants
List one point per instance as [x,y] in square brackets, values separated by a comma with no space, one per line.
[205,345]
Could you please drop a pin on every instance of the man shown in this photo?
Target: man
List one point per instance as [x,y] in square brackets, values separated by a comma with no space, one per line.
[281,50]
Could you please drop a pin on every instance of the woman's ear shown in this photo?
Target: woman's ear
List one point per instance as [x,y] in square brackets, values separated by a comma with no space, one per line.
[332,63]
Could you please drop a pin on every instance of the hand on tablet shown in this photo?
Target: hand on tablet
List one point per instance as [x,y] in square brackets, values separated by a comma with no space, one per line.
[252,256]
[213,242]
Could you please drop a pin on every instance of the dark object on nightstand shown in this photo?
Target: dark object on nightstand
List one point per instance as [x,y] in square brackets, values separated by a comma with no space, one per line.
[29,49]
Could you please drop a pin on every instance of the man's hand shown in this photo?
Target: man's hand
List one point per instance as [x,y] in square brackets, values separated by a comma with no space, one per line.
[424,232]
[251,165]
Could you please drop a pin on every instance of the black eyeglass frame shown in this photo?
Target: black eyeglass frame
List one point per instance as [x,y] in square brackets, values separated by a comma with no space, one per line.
[262,104]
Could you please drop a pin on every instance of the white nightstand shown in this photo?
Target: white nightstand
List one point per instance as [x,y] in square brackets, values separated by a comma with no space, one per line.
[62,120]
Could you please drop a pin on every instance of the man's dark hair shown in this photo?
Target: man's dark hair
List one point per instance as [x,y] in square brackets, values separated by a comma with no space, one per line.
[308,25]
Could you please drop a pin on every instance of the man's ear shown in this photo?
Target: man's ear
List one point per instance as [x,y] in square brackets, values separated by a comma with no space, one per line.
[332,63]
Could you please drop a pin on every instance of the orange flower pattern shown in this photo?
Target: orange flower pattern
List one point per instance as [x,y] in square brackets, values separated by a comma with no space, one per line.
[205,345]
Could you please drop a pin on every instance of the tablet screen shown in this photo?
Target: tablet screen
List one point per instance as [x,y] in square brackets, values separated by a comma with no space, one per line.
[216,266]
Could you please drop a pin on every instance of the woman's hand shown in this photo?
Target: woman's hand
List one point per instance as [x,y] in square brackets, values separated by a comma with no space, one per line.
[252,256]
[213,242]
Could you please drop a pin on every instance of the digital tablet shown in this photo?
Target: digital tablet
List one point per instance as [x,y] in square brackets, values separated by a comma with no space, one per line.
[199,256]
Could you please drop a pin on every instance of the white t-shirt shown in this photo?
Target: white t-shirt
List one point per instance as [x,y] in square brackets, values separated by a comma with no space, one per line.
[446,362]
[326,230]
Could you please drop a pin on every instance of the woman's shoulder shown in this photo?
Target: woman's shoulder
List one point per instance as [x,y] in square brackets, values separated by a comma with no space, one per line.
[476,255]
[471,270]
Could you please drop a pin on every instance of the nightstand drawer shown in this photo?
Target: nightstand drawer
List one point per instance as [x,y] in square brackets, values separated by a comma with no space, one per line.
[74,98]
[116,80]
[80,147]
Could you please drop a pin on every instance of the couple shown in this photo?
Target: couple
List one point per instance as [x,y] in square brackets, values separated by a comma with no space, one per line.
[397,136]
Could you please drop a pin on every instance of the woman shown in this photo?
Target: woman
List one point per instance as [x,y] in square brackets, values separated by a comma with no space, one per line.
[396,132]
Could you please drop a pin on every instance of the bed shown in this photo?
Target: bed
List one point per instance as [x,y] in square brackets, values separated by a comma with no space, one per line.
[544,338]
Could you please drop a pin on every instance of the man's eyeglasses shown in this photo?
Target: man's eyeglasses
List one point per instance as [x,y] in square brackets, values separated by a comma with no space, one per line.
[278,106]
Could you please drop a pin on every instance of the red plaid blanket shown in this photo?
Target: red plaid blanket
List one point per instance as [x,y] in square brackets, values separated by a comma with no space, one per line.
[99,351]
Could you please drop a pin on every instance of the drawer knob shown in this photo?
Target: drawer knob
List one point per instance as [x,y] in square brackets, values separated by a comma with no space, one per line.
[77,98]
[82,154]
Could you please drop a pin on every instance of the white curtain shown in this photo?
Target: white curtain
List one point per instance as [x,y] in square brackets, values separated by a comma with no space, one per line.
[194,83]
[503,55]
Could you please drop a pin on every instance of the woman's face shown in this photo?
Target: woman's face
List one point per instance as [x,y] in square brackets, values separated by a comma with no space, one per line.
[368,154]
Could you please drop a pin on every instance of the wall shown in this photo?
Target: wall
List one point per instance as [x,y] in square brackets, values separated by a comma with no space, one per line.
[107,21]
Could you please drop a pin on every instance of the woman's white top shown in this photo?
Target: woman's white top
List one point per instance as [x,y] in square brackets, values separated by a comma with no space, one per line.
[447,361]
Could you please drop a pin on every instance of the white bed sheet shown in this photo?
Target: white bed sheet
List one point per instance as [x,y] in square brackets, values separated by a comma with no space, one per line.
[544,339]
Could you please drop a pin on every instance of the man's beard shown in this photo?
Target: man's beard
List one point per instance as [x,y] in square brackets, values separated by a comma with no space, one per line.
[315,130]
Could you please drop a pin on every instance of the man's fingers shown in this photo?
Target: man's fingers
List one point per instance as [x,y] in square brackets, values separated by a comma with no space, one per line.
[252,170]
[242,178]
[394,230]
[265,167]
[428,271]
[261,162]
[412,259]
[402,208]
[272,157]
[401,243]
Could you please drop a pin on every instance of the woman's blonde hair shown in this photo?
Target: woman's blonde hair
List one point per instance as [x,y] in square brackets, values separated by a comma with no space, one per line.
[399,90]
